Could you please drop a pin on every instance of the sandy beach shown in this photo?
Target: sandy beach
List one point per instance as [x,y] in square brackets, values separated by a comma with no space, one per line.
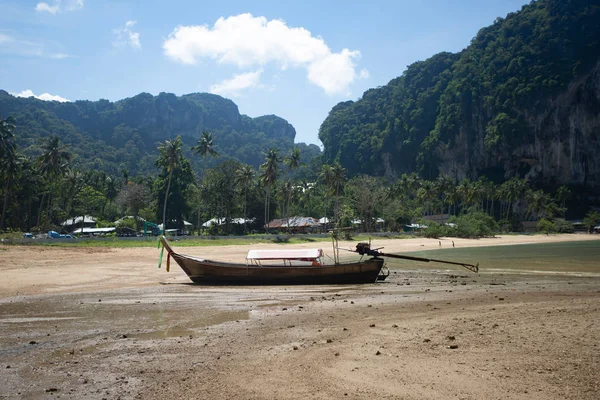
[101,323]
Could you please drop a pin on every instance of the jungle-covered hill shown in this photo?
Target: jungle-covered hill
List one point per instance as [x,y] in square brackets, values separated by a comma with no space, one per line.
[123,135]
[523,99]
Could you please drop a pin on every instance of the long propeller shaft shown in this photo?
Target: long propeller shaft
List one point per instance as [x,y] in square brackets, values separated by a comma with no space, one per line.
[470,267]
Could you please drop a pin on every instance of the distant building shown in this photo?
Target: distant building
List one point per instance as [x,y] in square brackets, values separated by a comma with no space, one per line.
[528,226]
[72,224]
[439,218]
[294,224]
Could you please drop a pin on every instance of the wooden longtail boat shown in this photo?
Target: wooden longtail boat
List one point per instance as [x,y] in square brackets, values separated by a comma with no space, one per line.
[275,267]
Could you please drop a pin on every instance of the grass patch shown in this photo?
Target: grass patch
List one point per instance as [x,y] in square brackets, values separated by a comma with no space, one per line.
[195,242]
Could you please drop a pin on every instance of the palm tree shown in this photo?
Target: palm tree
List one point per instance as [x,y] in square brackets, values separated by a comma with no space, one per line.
[53,162]
[243,177]
[333,176]
[9,160]
[270,169]
[465,193]
[7,145]
[306,188]
[591,219]
[326,177]
[427,193]
[562,195]
[293,160]
[206,147]
[169,159]
[10,170]
[74,183]
[293,163]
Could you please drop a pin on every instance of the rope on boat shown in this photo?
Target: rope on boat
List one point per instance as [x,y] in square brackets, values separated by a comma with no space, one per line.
[160,258]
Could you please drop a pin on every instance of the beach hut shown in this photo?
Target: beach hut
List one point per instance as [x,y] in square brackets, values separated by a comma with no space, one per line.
[75,223]
[294,224]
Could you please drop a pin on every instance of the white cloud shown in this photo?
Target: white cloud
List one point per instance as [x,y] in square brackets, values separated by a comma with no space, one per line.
[26,48]
[59,56]
[245,41]
[72,5]
[5,38]
[126,36]
[45,7]
[239,82]
[43,96]
[69,5]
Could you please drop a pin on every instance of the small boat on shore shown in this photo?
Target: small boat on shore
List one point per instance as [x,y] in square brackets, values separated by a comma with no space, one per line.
[291,267]
[277,267]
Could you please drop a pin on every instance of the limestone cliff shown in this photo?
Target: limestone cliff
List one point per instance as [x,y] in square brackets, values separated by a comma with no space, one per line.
[523,99]
[124,134]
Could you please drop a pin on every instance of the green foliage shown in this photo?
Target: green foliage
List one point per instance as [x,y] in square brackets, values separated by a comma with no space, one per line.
[546,226]
[563,226]
[486,94]
[433,230]
[591,219]
[473,224]
[127,223]
[113,137]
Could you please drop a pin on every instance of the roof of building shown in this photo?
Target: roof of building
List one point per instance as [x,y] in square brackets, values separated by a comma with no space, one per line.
[93,230]
[294,222]
[221,221]
[77,220]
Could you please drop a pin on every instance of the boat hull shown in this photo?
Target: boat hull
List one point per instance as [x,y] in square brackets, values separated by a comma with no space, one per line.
[219,273]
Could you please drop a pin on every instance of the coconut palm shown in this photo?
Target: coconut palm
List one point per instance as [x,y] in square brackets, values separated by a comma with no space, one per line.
[7,145]
[293,163]
[169,159]
[562,195]
[205,147]
[243,177]
[293,160]
[10,170]
[268,177]
[334,177]
[53,163]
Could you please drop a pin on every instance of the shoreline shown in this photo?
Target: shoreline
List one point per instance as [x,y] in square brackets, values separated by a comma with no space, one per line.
[28,270]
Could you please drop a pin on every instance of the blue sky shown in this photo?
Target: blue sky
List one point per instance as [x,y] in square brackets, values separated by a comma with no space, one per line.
[295,59]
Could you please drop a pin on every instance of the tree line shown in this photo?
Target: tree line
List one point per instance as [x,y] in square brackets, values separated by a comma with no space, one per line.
[39,193]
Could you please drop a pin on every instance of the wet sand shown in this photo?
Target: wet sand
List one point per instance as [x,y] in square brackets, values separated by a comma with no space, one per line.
[107,323]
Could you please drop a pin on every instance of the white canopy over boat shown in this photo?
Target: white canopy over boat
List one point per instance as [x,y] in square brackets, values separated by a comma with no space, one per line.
[296,254]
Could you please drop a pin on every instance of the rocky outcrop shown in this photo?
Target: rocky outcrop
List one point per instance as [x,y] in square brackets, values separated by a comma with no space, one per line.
[562,145]
[124,135]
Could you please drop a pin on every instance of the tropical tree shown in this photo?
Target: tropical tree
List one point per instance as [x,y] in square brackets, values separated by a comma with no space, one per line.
[562,195]
[10,170]
[205,147]
[333,176]
[364,193]
[53,163]
[268,177]
[7,144]
[293,159]
[286,190]
[133,198]
[72,184]
[243,177]
[539,203]
[591,219]
[293,163]
[170,158]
